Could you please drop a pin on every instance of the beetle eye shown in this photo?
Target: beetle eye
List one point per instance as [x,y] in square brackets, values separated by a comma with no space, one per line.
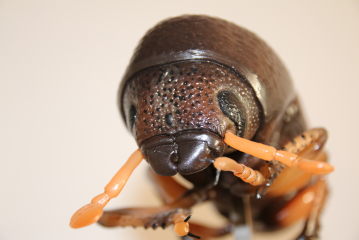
[232,108]
[132,116]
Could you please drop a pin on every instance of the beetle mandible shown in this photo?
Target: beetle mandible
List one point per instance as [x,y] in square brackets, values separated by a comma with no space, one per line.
[211,101]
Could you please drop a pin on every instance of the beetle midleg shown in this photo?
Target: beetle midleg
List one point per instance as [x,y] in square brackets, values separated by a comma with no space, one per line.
[300,206]
[308,199]
[269,153]
[312,225]
[310,145]
[168,189]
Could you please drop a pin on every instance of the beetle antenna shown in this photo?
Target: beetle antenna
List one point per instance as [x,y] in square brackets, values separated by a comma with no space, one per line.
[269,153]
[192,235]
[93,211]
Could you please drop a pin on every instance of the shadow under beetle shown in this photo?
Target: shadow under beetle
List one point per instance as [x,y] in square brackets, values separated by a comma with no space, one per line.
[211,101]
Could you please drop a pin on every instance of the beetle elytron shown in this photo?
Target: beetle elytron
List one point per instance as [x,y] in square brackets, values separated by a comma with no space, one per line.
[203,96]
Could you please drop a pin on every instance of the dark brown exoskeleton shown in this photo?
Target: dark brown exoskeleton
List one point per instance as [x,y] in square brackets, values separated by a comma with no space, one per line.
[196,88]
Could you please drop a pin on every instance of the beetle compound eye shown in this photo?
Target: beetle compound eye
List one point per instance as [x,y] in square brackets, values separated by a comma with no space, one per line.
[232,108]
[132,116]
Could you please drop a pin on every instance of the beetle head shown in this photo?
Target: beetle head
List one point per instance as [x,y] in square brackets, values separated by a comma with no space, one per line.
[179,113]
[168,154]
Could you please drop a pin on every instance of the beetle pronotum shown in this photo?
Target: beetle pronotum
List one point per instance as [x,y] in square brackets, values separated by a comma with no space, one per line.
[200,90]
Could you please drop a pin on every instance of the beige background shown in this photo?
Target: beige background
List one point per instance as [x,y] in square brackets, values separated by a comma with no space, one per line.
[61,138]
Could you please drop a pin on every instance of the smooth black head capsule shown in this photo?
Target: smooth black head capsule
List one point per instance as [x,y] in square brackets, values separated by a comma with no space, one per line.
[192,79]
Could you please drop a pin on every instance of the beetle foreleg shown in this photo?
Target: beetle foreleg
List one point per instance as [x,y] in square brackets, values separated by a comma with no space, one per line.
[168,188]
[92,212]
[181,227]
[158,216]
[269,153]
[141,217]
[207,233]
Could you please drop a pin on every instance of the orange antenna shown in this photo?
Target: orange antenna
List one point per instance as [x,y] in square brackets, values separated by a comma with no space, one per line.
[247,174]
[93,211]
[269,153]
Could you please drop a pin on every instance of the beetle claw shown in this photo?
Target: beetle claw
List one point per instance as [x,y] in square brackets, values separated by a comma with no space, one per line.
[187,218]
[194,236]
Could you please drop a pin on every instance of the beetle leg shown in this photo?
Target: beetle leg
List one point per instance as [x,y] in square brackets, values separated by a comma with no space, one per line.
[173,213]
[269,153]
[309,198]
[247,174]
[142,217]
[310,231]
[181,227]
[92,212]
[306,204]
[300,206]
[309,145]
[168,188]
[207,233]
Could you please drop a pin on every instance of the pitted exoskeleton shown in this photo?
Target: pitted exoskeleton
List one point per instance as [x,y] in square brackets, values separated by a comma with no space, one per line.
[179,113]
[212,102]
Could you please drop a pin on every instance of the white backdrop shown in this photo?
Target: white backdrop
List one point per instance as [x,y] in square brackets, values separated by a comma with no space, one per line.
[61,137]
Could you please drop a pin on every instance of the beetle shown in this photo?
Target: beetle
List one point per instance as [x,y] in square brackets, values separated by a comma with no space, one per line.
[211,101]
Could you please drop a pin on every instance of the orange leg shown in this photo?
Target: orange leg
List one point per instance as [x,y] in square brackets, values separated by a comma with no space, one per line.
[312,226]
[168,189]
[307,145]
[270,153]
[308,201]
[92,212]
[301,205]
